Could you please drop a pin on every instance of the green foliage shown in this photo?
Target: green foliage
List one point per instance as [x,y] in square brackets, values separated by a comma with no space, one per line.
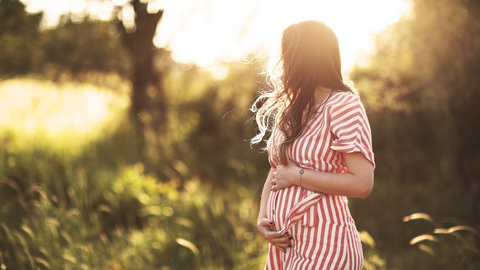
[420,91]
[80,48]
[87,203]
[84,199]
[19,38]
[452,248]
[73,49]
[372,261]
[187,227]
[64,222]
[207,126]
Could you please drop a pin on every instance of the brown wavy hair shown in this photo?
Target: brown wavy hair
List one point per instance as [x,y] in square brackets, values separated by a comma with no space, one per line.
[309,57]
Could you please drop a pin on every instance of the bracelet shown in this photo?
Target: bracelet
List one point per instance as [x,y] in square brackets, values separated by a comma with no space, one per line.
[301,172]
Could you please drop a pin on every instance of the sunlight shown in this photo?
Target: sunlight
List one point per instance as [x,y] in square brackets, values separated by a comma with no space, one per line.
[214,30]
[31,105]
[207,32]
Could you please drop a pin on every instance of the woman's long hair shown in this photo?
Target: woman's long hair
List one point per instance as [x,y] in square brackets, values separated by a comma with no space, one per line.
[309,57]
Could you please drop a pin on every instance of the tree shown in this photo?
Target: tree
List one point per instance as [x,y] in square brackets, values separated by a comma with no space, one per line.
[78,48]
[148,98]
[426,66]
[19,36]
[83,47]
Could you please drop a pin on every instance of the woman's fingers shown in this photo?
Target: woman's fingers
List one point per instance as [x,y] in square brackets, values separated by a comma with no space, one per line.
[280,240]
[274,182]
[266,222]
[276,238]
[281,243]
[281,179]
[273,235]
[285,176]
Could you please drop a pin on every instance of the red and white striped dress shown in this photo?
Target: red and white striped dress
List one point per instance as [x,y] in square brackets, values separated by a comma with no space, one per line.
[323,231]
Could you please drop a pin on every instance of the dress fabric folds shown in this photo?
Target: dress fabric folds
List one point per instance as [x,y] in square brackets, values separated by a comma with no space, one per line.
[323,231]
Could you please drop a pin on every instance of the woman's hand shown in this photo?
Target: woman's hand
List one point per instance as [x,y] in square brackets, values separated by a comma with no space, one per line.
[282,242]
[286,175]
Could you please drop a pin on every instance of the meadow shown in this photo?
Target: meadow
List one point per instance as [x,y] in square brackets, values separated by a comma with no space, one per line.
[89,179]
[75,195]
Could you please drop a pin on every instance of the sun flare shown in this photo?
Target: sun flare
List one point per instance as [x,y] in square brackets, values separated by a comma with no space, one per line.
[219,31]
[208,32]
[31,105]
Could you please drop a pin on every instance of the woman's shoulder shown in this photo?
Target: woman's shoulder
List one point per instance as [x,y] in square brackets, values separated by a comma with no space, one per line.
[345,105]
[342,98]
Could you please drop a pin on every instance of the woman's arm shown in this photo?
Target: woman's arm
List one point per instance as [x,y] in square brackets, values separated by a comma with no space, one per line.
[358,182]
[265,194]
[264,225]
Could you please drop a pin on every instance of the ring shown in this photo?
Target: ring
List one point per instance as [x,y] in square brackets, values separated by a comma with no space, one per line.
[274,183]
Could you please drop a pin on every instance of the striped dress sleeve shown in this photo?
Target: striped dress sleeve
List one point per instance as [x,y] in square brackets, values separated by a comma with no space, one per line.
[350,128]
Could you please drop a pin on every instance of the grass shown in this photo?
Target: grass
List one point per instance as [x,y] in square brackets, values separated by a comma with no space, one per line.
[452,247]
[72,197]
[64,117]
[73,194]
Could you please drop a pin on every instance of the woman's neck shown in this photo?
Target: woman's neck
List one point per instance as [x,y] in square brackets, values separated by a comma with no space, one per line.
[321,93]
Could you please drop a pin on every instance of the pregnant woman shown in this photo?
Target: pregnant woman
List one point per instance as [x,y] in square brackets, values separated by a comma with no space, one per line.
[320,152]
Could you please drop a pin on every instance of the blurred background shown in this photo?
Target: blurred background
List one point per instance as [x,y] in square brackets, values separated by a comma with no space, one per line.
[124,128]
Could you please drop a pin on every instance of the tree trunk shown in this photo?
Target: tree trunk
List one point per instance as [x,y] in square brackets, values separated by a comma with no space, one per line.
[145,80]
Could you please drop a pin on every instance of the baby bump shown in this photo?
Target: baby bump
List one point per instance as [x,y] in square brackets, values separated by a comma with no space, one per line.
[282,201]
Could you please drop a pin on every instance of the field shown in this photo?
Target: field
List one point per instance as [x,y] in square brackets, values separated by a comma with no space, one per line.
[75,195]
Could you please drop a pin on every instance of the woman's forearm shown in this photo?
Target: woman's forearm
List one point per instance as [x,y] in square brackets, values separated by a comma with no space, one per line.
[358,182]
[267,188]
[343,184]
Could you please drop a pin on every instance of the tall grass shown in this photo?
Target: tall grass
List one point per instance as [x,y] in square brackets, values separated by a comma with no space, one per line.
[65,117]
[452,247]
[73,197]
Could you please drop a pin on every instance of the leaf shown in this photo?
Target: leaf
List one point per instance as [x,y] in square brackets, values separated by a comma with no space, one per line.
[441,231]
[105,208]
[69,258]
[39,260]
[367,239]
[72,212]
[29,231]
[150,210]
[53,221]
[185,222]
[427,249]
[25,248]
[419,216]
[423,237]
[67,238]
[8,233]
[188,244]
[36,188]
[462,228]
[453,230]
[111,200]
[12,184]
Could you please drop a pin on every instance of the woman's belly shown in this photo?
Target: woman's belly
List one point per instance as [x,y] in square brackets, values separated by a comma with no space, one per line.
[329,209]
[282,201]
